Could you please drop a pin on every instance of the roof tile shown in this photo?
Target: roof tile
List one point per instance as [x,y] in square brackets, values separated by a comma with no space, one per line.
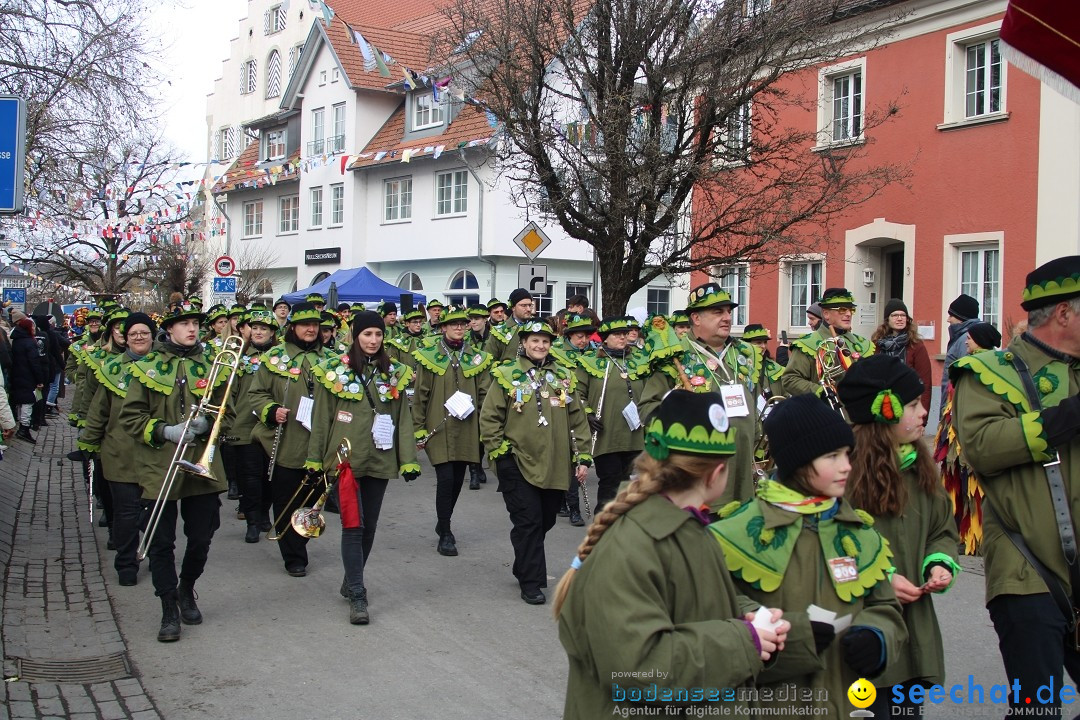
[469,125]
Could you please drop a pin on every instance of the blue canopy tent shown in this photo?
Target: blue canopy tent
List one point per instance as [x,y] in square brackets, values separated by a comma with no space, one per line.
[355,285]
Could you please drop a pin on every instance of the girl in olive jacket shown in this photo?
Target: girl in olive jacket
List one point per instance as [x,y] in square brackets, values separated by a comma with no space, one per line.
[800,547]
[360,397]
[648,608]
[894,478]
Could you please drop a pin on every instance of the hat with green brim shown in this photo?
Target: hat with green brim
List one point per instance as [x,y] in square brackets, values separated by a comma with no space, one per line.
[478,311]
[834,298]
[495,303]
[755,331]
[679,317]
[357,307]
[414,314]
[579,323]
[259,314]
[182,310]
[1052,282]
[196,301]
[216,312]
[315,298]
[305,312]
[95,314]
[623,323]
[237,310]
[433,303]
[329,320]
[535,327]
[117,315]
[709,295]
[691,423]
[456,315]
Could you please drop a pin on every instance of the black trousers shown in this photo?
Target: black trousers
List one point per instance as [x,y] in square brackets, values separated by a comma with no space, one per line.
[612,469]
[231,460]
[354,555]
[127,511]
[255,494]
[103,492]
[202,516]
[533,512]
[283,485]
[1035,645]
[449,479]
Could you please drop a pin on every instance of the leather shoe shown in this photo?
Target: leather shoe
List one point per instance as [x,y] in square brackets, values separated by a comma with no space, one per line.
[474,483]
[252,534]
[296,570]
[534,597]
[129,578]
[447,545]
[575,519]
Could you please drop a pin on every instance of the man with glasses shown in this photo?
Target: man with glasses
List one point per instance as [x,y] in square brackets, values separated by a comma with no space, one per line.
[503,342]
[803,373]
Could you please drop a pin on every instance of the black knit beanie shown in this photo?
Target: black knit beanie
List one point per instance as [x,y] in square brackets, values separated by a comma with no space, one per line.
[985,335]
[801,429]
[361,321]
[138,318]
[894,305]
[877,388]
[964,307]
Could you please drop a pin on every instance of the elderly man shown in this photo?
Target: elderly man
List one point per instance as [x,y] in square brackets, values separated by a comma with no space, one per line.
[1017,414]
[803,373]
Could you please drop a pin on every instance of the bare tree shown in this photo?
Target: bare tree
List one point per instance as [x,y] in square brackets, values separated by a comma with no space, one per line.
[616,115]
[253,263]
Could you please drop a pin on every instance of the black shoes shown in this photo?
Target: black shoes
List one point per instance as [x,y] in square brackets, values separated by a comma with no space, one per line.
[296,570]
[476,476]
[358,611]
[533,597]
[447,545]
[110,545]
[252,535]
[128,578]
[564,511]
[474,483]
[234,491]
[170,619]
[185,598]
[23,433]
[576,519]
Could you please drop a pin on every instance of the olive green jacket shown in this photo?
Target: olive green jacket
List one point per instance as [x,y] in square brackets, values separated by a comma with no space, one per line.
[284,376]
[102,433]
[401,348]
[247,415]
[1003,440]
[923,534]
[544,453]
[90,356]
[654,596]
[801,374]
[595,372]
[502,342]
[437,379]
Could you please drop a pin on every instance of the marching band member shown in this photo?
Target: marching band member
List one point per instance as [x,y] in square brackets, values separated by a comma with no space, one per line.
[576,339]
[503,344]
[408,340]
[166,384]
[434,313]
[648,587]
[360,396]
[217,324]
[282,395]
[329,325]
[450,371]
[389,312]
[768,381]
[804,369]
[317,300]
[281,313]
[496,312]
[76,367]
[533,430]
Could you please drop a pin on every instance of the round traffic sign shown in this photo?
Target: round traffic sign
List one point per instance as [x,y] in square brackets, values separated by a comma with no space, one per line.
[225,266]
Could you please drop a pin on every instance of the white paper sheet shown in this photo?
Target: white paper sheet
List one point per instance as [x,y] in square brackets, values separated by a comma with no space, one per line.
[382,432]
[460,405]
[303,412]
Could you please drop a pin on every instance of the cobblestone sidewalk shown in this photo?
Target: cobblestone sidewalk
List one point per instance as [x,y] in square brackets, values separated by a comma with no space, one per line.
[64,656]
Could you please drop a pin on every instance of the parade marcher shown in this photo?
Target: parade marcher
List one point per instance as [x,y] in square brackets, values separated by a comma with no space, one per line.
[576,338]
[389,312]
[478,326]
[963,312]
[28,375]
[451,381]
[236,313]
[611,383]
[893,477]
[503,344]
[768,381]
[329,325]
[799,544]
[1018,417]
[217,323]
[114,448]
[831,345]
[282,394]
[649,587]
[680,321]
[496,312]
[402,346]
[165,385]
[317,300]
[709,359]
[361,397]
[281,312]
[534,430]
[76,365]
[434,313]
[899,337]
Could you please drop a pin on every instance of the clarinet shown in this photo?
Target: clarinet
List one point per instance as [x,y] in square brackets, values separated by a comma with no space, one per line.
[581,484]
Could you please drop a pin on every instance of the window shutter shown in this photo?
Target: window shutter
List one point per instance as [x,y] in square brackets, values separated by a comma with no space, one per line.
[280,17]
[266,23]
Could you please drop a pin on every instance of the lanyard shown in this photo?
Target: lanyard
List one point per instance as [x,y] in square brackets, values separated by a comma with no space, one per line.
[532,372]
[625,375]
[720,362]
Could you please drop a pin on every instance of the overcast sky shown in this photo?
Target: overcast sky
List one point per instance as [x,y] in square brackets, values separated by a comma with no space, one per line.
[197,34]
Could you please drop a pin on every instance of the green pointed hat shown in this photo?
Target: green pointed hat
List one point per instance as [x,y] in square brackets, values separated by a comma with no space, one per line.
[622,322]
[1052,283]
[837,298]
[709,295]
[304,312]
[755,331]
[691,423]
[579,323]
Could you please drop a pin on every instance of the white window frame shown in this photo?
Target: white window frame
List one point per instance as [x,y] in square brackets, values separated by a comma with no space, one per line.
[545,302]
[827,78]
[410,275]
[317,144]
[426,113]
[335,75]
[952,267]
[578,288]
[740,122]
[288,214]
[295,53]
[739,291]
[336,142]
[253,219]
[315,196]
[274,150]
[650,304]
[397,199]
[226,146]
[274,20]
[459,193]
[956,45]
[337,204]
[787,304]
[464,295]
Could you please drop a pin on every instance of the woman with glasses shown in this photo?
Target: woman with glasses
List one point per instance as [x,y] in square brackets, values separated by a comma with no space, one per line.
[899,337]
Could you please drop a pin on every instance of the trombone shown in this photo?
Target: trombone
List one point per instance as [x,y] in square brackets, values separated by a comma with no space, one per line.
[227,360]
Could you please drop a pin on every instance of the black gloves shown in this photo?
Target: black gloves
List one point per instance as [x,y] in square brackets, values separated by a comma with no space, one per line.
[862,650]
[823,635]
[410,475]
[595,423]
[1061,423]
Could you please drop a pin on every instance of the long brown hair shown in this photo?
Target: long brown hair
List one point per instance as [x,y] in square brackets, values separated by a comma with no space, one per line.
[678,472]
[883,330]
[875,484]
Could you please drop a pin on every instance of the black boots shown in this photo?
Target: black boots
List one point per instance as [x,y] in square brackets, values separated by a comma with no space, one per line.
[23,433]
[234,490]
[170,618]
[189,611]
[574,506]
[474,476]
[358,612]
[447,543]
[252,535]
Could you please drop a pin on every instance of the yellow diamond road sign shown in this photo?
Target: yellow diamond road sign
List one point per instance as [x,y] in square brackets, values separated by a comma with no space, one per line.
[532,240]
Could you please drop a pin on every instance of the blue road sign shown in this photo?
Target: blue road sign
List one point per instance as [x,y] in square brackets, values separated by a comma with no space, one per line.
[15,296]
[224,285]
[12,153]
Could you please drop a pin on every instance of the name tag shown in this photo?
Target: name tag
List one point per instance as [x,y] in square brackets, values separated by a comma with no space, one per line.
[344,417]
[734,400]
[844,569]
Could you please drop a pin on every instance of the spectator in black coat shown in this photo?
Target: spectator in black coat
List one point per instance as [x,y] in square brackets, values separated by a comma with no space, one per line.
[29,373]
[46,344]
[57,359]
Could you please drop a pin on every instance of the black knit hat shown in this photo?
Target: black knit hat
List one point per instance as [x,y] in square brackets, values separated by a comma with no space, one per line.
[803,428]
[388,307]
[964,307]
[877,388]
[1052,282]
[361,321]
[519,295]
[138,318]
[894,305]
[985,335]
[692,423]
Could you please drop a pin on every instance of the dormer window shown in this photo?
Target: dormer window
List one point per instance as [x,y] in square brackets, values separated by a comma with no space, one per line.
[274,145]
[426,111]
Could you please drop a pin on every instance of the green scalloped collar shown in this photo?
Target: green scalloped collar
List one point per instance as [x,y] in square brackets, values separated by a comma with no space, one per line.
[287,360]
[115,374]
[637,366]
[335,374]
[1051,288]
[513,376]
[809,344]
[158,371]
[473,362]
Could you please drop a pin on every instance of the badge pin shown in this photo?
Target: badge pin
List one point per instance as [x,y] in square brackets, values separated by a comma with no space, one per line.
[623,375]
[697,381]
[200,383]
[338,387]
[711,364]
[331,376]
[354,387]
[285,358]
[150,373]
[741,360]
[294,371]
[545,394]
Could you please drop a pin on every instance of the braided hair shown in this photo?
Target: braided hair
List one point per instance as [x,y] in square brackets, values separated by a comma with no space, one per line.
[679,471]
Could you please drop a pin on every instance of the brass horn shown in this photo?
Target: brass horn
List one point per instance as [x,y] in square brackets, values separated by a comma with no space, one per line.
[763,461]
[309,522]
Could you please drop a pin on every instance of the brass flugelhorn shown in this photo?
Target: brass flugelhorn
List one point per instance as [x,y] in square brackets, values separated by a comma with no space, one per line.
[227,360]
[763,461]
[309,521]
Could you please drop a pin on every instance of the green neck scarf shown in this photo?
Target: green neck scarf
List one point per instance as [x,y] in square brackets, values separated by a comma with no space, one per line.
[791,500]
[906,455]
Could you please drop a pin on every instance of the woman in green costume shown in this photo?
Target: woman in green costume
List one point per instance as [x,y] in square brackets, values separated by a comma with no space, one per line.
[893,477]
[799,546]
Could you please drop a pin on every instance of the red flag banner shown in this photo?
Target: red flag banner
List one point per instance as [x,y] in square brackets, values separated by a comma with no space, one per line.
[349,498]
[1042,38]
